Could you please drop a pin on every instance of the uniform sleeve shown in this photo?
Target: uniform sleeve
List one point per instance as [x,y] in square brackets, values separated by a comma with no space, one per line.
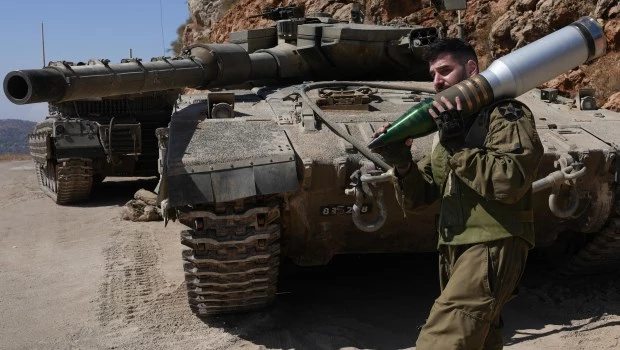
[417,187]
[504,168]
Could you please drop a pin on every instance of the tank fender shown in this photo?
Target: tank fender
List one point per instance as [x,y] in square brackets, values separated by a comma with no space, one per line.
[228,159]
[75,139]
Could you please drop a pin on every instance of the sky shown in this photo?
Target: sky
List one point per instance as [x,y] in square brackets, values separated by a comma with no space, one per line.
[79,30]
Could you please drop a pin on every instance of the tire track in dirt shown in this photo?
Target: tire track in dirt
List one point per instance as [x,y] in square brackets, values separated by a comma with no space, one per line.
[132,280]
[139,309]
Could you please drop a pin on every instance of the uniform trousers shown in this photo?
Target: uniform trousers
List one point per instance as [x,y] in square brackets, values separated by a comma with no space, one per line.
[476,280]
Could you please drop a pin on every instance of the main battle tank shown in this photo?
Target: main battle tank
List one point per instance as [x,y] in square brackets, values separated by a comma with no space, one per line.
[263,165]
[268,170]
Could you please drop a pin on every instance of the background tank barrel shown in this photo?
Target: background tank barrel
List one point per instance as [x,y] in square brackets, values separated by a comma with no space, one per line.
[204,66]
[64,82]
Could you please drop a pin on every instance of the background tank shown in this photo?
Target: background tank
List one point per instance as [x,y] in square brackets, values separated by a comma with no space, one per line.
[89,136]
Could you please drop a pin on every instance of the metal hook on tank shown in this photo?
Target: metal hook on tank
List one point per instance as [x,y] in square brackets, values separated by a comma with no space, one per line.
[367,185]
[555,180]
[571,208]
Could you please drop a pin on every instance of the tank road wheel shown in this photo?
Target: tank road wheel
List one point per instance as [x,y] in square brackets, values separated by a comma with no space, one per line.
[50,175]
[232,258]
[39,169]
[66,180]
[47,178]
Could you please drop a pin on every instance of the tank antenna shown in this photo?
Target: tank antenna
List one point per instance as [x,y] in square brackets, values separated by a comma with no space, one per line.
[459,27]
[43,42]
[161,23]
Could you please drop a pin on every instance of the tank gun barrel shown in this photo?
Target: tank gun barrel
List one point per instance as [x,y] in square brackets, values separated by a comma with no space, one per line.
[204,66]
[507,77]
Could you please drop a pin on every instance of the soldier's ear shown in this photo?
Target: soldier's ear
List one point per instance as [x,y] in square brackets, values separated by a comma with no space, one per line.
[472,68]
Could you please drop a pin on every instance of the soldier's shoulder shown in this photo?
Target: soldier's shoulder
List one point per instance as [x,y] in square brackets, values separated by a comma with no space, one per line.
[509,109]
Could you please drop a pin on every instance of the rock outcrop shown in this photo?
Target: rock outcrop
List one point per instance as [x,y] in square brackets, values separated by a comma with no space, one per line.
[613,103]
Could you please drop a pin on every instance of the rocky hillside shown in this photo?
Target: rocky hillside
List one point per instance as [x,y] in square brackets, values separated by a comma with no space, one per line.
[494,27]
[14,136]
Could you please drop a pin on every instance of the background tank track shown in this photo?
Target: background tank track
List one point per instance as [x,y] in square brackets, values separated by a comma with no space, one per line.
[232,257]
[66,180]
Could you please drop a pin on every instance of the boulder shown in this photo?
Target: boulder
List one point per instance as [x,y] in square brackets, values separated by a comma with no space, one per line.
[613,102]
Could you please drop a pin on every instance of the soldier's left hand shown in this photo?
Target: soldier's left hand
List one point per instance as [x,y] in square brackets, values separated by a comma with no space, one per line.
[397,154]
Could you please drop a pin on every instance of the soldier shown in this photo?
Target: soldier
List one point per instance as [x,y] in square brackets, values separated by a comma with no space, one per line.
[482,172]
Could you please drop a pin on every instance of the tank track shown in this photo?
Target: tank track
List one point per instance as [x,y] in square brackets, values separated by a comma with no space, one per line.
[67,180]
[600,254]
[232,258]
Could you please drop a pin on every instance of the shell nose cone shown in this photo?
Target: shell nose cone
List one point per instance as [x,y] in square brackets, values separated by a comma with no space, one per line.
[376,143]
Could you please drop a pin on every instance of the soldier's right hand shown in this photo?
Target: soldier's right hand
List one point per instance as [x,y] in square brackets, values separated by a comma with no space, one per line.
[396,154]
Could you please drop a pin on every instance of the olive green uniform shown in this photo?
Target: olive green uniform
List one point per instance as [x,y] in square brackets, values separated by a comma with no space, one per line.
[485,223]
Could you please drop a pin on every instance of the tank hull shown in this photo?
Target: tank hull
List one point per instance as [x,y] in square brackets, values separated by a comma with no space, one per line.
[82,142]
[276,172]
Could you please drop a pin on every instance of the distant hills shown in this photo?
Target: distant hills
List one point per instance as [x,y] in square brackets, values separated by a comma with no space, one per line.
[14,135]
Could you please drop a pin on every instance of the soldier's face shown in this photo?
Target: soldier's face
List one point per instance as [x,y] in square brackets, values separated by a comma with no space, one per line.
[447,71]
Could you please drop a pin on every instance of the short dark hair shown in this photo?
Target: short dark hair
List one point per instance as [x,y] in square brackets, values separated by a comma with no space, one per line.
[460,50]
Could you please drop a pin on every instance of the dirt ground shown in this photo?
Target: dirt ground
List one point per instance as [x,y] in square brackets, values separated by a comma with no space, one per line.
[80,277]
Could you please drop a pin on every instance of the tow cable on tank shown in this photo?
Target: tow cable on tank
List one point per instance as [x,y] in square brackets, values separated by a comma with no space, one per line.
[366,184]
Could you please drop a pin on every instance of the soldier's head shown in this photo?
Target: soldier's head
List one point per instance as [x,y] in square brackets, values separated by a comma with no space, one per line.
[451,61]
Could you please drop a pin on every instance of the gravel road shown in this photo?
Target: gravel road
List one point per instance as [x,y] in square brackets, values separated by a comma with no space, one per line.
[80,277]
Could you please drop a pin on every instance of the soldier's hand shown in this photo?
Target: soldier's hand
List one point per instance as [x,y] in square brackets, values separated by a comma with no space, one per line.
[450,123]
[396,154]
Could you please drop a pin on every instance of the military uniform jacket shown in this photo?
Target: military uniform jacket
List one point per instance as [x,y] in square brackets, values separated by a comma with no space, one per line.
[485,186]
